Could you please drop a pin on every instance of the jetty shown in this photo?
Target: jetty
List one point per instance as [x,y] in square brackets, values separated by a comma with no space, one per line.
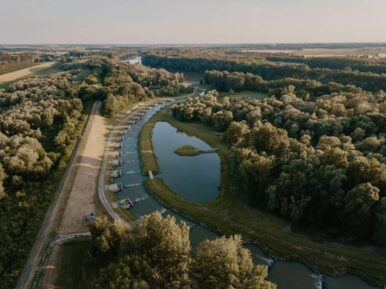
[208,151]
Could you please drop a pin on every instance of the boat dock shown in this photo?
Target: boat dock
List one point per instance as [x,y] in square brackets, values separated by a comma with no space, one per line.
[126,204]
[116,174]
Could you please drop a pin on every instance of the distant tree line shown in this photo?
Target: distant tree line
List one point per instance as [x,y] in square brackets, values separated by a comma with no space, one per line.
[201,62]
[237,81]
[156,253]
[319,162]
[341,63]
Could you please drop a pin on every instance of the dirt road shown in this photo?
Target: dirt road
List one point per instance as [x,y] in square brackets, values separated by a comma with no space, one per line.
[84,185]
[11,76]
[71,190]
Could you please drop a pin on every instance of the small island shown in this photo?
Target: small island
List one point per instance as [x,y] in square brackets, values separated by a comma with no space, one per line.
[187,151]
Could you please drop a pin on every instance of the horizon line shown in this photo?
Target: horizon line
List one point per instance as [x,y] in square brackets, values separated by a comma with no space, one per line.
[195,44]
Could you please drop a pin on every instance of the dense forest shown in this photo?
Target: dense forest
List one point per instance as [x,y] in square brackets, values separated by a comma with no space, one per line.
[317,161]
[156,253]
[343,63]
[40,121]
[238,81]
[194,60]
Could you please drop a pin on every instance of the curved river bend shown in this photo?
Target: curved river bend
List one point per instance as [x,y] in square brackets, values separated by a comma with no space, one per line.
[197,179]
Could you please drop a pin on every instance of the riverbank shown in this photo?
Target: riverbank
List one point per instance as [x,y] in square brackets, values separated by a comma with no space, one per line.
[230,215]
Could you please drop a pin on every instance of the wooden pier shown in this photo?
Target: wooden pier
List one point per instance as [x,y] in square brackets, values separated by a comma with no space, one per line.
[208,151]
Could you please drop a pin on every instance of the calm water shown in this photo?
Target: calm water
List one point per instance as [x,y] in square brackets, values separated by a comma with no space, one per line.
[197,179]
[194,178]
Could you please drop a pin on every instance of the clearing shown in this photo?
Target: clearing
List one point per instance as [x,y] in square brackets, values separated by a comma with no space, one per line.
[11,76]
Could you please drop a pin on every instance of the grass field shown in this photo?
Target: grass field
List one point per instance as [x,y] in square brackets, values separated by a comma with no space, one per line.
[14,66]
[148,158]
[38,72]
[230,215]
[75,266]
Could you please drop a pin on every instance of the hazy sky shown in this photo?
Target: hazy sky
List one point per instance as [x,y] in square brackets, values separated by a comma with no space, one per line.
[191,21]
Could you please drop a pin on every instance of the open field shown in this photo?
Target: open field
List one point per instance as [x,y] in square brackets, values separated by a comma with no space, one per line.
[231,215]
[11,76]
[14,66]
[75,264]
[324,52]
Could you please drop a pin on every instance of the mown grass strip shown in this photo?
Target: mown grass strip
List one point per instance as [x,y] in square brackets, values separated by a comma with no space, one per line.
[148,158]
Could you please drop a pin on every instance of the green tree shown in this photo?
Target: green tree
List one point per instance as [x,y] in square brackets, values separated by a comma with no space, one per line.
[358,205]
[224,263]
[106,237]
[119,276]
[165,245]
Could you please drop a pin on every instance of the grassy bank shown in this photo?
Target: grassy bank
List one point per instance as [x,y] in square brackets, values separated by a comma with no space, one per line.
[148,158]
[76,268]
[229,215]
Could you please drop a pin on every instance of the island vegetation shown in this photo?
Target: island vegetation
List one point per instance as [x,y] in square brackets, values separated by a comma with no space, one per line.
[187,150]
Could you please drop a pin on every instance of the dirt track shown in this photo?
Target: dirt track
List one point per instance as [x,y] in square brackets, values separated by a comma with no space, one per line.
[73,191]
[84,185]
[11,76]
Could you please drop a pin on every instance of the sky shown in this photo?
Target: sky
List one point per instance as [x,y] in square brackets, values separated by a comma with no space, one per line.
[191,21]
